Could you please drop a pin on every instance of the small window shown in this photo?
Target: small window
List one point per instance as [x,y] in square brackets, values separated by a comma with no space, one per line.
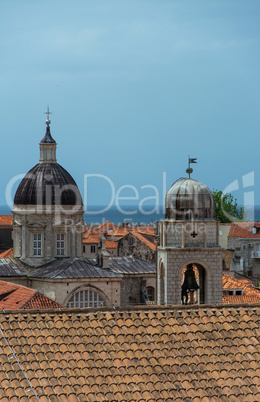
[92,249]
[150,293]
[130,241]
[60,244]
[51,153]
[84,249]
[45,154]
[238,292]
[37,244]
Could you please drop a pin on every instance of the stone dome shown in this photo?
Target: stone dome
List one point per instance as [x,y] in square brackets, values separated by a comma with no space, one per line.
[47,184]
[189,200]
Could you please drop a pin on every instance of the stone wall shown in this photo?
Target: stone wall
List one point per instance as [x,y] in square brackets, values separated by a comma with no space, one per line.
[131,288]
[177,259]
[130,245]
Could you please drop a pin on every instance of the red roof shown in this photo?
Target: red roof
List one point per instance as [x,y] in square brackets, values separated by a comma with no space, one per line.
[7,253]
[239,299]
[244,230]
[111,244]
[229,283]
[143,239]
[107,226]
[13,296]
[6,220]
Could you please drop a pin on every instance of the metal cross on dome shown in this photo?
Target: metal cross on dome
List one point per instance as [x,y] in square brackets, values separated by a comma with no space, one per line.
[48,115]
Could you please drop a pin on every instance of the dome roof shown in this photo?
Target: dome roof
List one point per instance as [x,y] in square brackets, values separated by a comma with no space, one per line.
[47,184]
[189,200]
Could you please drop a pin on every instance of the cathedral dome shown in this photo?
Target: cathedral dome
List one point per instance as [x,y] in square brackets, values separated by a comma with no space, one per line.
[189,200]
[47,184]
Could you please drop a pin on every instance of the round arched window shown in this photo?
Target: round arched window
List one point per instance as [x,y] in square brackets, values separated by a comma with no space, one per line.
[86,298]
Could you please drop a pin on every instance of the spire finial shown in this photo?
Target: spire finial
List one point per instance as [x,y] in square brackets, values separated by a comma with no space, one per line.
[190,170]
[48,122]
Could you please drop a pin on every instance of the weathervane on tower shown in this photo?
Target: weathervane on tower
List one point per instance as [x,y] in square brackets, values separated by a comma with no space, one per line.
[48,122]
[190,170]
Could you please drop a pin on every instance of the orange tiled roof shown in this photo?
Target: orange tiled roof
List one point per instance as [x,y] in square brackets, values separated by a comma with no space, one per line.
[6,220]
[244,230]
[145,354]
[7,253]
[106,226]
[111,244]
[144,240]
[91,235]
[240,299]
[120,231]
[13,296]
[233,283]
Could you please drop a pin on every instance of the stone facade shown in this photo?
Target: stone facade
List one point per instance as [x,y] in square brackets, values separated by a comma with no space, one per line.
[61,290]
[247,254]
[48,222]
[131,288]
[171,263]
[131,245]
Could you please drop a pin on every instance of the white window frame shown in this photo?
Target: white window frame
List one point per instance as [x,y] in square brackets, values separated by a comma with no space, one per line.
[37,244]
[60,244]
[86,298]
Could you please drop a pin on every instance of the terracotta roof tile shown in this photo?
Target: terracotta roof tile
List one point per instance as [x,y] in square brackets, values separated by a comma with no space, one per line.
[144,240]
[13,296]
[250,293]
[6,220]
[244,230]
[8,253]
[163,354]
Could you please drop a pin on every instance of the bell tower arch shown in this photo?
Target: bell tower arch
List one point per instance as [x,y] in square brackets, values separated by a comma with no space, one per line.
[189,247]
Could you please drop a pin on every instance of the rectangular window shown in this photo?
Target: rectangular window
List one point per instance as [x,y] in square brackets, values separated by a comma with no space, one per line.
[60,244]
[92,249]
[257,250]
[37,244]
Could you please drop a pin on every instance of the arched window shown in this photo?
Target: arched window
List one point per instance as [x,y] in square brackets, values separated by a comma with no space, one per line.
[86,298]
[150,292]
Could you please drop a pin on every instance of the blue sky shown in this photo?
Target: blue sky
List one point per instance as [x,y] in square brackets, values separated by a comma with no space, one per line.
[135,86]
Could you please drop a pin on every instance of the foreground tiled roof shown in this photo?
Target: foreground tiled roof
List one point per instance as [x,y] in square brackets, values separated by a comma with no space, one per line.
[150,354]
[7,253]
[6,220]
[13,296]
[244,230]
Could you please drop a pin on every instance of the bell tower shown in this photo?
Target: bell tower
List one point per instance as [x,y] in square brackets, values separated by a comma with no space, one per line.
[189,260]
